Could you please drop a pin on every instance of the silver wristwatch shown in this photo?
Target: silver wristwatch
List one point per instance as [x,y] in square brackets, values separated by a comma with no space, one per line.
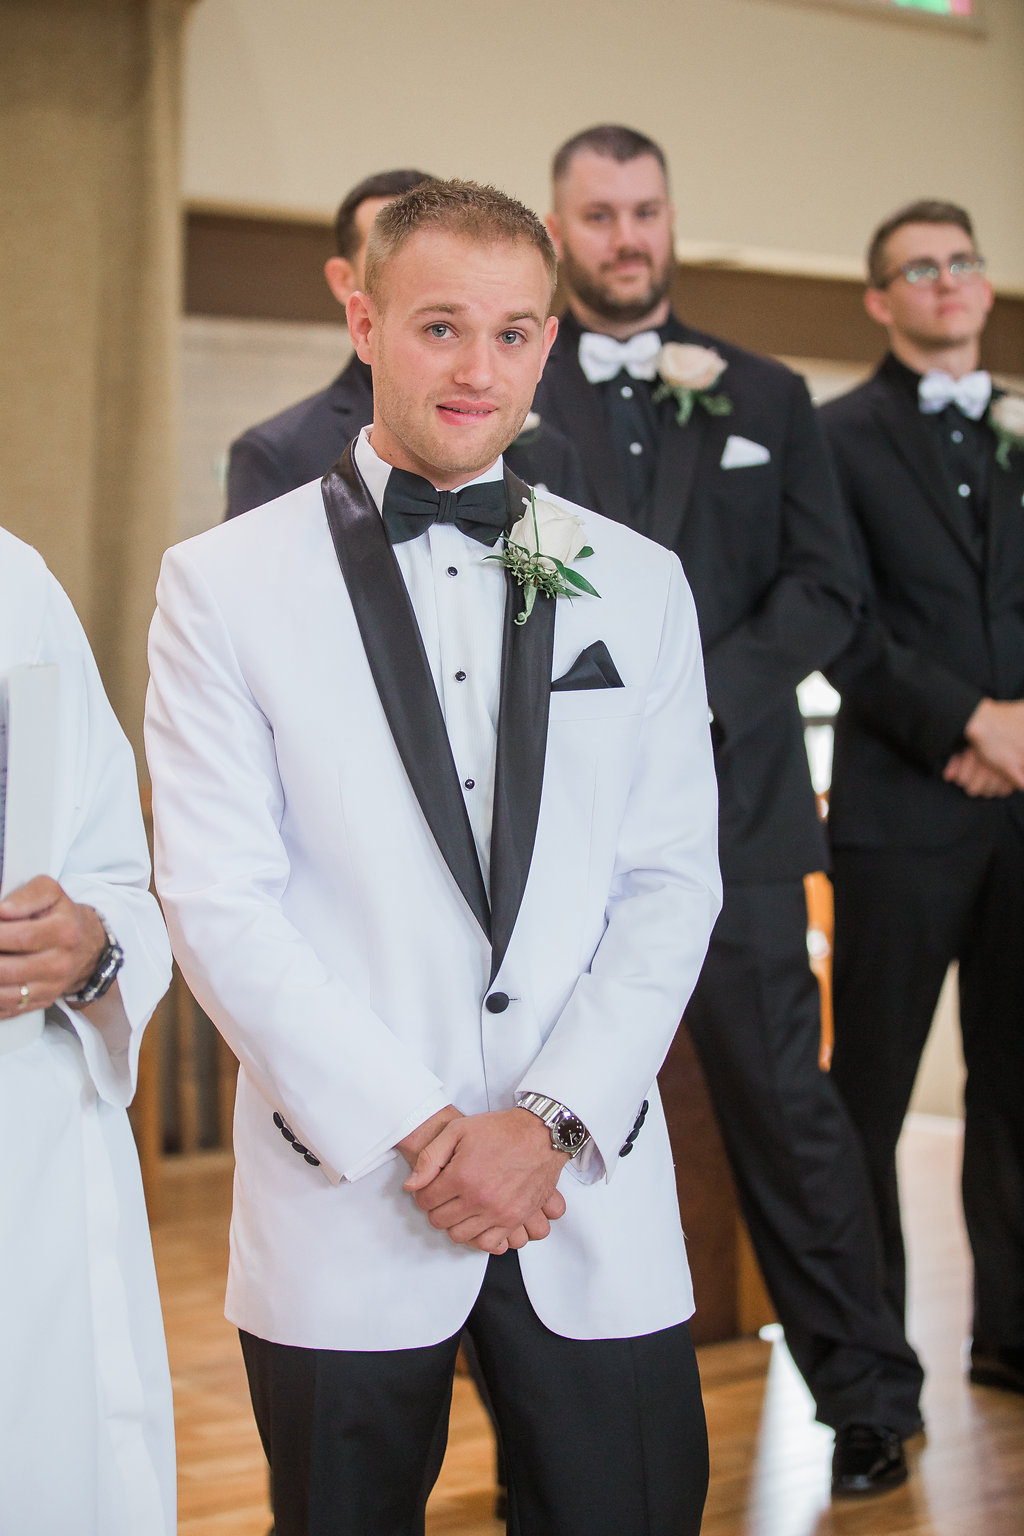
[568,1133]
[110,961]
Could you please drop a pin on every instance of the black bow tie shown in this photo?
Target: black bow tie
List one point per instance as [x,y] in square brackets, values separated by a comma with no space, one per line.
[411,505]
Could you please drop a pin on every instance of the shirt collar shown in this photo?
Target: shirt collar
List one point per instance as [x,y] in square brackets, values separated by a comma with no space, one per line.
[901,375]
[375,471]
[574,328]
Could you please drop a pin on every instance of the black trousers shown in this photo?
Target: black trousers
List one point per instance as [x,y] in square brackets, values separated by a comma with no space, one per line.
[755,1021]
[901,917]
[602,1437]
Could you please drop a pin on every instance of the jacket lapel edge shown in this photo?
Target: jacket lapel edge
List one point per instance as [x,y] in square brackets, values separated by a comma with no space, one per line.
[401,674]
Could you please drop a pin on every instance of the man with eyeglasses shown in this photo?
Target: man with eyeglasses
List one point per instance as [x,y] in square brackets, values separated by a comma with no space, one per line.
[927,814]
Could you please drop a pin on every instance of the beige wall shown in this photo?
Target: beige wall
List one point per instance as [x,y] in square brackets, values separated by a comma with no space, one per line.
[792,128]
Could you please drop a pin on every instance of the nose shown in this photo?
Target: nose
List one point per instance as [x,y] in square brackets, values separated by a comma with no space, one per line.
[474,366]
[628,231]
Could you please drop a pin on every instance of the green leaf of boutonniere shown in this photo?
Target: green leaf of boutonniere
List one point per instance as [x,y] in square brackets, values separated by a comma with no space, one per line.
[529,554]
[688,374]
[1006,418]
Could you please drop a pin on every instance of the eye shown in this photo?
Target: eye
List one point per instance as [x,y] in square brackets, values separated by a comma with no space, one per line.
[512,338]
[596,216]
[439,330]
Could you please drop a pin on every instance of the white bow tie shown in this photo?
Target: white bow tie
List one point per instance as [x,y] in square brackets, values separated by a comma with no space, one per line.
[971,393]
[602,357]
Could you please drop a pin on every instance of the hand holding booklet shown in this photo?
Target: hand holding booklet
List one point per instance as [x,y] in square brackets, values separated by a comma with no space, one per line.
[28,744]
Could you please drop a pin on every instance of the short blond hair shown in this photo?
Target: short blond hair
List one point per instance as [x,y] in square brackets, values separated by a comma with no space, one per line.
[479,213]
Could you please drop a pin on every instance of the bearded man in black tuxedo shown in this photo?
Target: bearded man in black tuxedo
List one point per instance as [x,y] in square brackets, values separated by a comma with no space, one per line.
[927,818]
[715,453]
[301,443]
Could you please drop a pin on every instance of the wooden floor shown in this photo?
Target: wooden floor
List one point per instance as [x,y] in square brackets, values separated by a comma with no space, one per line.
[769,1461]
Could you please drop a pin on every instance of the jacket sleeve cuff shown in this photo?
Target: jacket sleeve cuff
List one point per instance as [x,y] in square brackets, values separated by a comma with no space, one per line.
[387,1148]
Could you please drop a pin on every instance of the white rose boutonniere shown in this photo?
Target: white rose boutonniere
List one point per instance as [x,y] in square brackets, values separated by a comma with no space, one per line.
[689,373]
[539,551]
[1006,418]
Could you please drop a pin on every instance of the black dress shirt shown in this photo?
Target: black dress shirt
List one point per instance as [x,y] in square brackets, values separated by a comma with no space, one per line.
[966,449]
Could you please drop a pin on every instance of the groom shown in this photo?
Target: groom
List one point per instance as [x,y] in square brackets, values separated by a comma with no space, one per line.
[447,912]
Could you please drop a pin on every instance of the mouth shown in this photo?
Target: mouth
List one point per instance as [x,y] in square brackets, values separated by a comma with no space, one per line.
[628,264]
[466,411]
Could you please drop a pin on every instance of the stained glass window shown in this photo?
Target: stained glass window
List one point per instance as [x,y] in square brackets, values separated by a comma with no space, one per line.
[937,7]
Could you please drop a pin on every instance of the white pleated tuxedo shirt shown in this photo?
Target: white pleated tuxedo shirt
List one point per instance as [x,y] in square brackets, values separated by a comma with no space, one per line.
[458,597]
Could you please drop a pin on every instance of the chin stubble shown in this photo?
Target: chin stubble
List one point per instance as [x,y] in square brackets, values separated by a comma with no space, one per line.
[599,301]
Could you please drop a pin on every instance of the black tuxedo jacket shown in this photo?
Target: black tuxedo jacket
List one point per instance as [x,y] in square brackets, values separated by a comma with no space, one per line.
[944,627]
[766,551]
[303,442]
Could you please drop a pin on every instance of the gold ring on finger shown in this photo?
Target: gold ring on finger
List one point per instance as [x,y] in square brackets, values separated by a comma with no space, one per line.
[23,996]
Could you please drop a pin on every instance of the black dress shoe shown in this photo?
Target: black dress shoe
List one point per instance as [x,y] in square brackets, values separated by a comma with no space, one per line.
[868,1458]
[998,1368]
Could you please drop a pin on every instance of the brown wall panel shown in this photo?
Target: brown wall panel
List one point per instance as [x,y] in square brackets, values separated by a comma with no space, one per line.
[257,269]
[775,313]
[272,269]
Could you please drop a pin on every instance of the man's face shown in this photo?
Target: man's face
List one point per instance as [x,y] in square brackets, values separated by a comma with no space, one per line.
[612,228]
[930,316]
[344,275]
[456,339]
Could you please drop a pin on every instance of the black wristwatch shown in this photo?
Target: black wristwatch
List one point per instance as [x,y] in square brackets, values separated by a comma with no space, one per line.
[568,1133]
[105,974]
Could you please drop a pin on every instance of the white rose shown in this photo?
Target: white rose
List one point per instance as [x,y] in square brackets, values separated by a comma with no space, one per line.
[531,423]
[556,534]
[1007,413]
[684,366]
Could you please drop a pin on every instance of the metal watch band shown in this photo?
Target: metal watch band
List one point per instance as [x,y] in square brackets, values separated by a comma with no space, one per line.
[567,1131]
[102,979]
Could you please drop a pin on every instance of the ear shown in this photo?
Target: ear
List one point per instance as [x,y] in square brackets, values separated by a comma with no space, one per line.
[362,323]
[341,278]
[990,298]
[550,332]
[554,228]
[877,305]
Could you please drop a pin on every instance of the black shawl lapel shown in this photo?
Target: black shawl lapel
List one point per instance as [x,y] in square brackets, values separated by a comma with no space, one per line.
[901,421]
[522,740]
[401,672]
[570,402]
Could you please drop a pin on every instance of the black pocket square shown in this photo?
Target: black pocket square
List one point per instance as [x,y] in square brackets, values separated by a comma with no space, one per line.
[593,668]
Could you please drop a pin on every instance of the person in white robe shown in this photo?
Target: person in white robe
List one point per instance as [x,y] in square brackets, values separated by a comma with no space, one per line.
[86,1426]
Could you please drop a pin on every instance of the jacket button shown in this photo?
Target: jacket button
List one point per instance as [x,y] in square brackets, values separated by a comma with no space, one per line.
[497,1002]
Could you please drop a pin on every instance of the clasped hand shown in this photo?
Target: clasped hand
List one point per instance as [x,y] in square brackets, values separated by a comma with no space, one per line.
[489,1181]
[992,764]
[49,946]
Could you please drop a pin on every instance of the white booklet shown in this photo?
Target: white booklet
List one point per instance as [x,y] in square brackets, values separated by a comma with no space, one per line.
[28,750]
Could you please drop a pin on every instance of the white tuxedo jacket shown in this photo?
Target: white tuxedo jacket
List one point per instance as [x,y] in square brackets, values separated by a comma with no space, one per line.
[326,907]
[86,1421]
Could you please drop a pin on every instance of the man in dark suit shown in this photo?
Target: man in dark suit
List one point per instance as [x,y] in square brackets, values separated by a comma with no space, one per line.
[715,453]
[301,443]
[927,816]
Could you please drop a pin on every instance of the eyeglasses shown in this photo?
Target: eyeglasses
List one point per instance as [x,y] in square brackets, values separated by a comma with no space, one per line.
[926,271]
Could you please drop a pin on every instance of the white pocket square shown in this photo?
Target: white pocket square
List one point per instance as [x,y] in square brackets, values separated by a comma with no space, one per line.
[740,451]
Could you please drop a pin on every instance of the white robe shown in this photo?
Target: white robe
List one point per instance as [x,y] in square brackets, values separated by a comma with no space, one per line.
[86,1427]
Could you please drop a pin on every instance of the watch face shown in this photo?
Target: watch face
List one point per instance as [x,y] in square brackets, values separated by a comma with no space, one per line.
[571,1132]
